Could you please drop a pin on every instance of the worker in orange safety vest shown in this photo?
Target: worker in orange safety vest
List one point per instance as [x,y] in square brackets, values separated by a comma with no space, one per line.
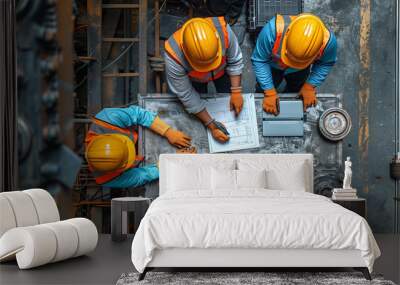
[110,146]
[299,49]
[204,50]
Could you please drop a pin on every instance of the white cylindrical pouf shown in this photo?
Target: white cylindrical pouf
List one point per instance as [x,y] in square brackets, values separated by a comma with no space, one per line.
[67,240]
[87,234]
[45,205]
[7,218]
[23,208]
[34,246]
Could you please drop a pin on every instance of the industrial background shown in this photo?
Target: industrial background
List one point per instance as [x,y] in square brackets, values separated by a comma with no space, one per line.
[75,57]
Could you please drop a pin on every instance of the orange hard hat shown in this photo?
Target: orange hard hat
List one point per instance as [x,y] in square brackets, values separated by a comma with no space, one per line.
[201,44]
[302,41]
[110,152]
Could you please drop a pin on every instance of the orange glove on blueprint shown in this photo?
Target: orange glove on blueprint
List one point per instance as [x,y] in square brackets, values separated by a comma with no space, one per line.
[236,101]
[218,131]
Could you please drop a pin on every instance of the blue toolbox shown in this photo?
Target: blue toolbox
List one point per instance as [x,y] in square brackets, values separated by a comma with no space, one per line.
[289,122]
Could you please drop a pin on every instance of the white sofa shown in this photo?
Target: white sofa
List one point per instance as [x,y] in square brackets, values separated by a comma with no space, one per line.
[31,231]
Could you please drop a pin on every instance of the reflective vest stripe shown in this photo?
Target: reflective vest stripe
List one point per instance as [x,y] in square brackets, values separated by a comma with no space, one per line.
[220,25]
[100,127]
[281,25]
[174,49]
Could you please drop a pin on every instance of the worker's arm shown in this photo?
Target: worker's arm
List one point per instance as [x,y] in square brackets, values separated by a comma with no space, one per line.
[321,68]
[180,85]
[127,117]
[234,57]
[262,55]
[135,177]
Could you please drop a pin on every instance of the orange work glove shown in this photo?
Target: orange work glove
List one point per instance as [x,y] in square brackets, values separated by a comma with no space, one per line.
[219,135]
[174,137]
[177,138]
[236,102]
[271,101]
[159,126]
[308,94]
[217,132]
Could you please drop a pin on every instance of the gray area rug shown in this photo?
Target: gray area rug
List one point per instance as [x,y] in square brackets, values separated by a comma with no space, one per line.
[233,278]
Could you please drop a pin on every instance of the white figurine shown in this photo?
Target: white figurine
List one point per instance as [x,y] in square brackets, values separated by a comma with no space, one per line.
[347,174]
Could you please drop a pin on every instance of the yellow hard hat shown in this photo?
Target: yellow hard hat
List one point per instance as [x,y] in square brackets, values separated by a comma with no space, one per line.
[110,152]
[201,45]
[302,41]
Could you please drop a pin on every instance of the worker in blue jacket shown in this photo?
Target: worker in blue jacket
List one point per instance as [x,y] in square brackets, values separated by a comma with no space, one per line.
[299,49]
[110,146]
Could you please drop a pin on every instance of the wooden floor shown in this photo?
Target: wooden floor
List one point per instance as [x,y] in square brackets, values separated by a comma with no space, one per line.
[110,260]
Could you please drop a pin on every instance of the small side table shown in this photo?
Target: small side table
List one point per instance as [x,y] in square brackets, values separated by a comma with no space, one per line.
[119,214]
[358,206]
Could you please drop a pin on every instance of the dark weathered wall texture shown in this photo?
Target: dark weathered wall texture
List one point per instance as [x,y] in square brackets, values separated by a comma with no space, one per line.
[364,74]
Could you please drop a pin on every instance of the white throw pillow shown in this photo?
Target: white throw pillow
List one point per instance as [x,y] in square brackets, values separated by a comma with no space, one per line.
[289,179]
[223,179]
[281,173]
[188,177]
[189,174]
[251,179]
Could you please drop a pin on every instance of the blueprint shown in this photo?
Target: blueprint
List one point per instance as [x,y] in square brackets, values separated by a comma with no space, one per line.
[242,129]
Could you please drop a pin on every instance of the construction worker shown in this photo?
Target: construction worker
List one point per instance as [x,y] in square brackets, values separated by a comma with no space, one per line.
[204,50]
[110,146]
[299,49]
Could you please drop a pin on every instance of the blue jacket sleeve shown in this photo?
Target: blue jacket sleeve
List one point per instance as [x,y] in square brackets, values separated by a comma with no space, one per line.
[127,117]
[321,68]
[262,55]
[135,177]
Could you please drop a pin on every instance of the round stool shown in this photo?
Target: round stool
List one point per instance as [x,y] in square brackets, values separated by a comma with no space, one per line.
[119,214]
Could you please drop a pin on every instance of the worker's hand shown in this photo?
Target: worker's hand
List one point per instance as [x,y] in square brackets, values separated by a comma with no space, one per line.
[177,138]
[271,101]
[308,94]
[187,150]
[218,134]
[236,102]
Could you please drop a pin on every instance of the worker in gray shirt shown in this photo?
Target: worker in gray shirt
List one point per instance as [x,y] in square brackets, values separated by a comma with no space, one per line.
[204,50]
